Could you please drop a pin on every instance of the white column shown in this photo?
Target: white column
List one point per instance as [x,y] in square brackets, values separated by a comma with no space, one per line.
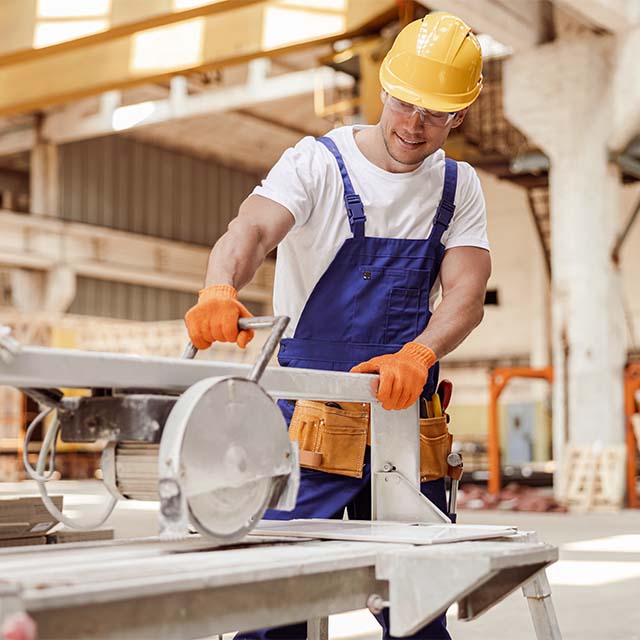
[43,291]
[54,290]
[540,351]
[573,98]
[44,177]
[27,290]
[60,289]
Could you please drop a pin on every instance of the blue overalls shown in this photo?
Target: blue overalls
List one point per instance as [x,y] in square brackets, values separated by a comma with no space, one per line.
[372,299]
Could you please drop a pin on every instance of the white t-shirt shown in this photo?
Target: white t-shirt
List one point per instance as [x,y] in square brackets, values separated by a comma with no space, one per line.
[306,180]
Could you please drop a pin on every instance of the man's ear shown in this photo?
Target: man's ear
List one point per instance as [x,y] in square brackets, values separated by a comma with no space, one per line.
[459,119]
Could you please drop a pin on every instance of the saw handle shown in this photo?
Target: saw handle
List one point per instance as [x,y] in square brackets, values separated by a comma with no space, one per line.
[277,324]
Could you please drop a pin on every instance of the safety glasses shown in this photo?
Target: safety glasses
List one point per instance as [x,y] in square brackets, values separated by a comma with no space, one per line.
[427,116]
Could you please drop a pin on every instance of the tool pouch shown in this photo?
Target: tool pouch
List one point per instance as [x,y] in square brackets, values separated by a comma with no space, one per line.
[435,446]
[331,439]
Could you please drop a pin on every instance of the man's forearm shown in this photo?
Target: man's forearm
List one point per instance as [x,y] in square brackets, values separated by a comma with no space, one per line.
[454,319]
[260,225]
[236,256]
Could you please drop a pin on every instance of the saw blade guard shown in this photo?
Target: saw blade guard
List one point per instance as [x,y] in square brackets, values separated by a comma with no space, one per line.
[224,457]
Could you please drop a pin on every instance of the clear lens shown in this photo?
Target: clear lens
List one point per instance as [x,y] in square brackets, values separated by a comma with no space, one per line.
[433,118]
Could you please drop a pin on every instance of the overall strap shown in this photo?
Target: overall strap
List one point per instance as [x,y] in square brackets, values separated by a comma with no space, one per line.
[447,205]
[352,201]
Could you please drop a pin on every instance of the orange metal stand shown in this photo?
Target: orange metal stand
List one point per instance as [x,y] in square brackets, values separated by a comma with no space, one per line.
[631,385]
[498,380]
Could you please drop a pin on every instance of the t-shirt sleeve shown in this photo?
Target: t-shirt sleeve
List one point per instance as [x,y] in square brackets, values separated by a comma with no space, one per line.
[293,180]
[468,227]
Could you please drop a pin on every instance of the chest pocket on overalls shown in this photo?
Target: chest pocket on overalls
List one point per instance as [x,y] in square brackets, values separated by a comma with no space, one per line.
[392,306]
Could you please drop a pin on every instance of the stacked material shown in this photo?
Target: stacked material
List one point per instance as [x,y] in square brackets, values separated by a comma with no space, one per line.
[26,521]
[12,418]
[514,497]
[70,535]
[11,414]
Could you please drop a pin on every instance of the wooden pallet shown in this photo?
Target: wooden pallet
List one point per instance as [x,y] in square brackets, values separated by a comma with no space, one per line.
[593,477]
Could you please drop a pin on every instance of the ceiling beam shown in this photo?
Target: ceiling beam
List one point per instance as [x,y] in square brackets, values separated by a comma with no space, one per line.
[67,126]
[612,15]
[265,28]
[516,23]
[23,29]
[60,128]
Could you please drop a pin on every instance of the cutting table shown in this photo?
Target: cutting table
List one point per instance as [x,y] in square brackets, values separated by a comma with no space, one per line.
[148,588]
[410,558]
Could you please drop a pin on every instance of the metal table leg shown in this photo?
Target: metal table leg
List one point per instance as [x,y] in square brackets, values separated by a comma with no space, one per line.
[538,594]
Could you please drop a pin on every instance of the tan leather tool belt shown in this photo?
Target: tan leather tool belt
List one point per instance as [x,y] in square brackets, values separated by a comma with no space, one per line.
[331,439]
[435,446]
[334,439]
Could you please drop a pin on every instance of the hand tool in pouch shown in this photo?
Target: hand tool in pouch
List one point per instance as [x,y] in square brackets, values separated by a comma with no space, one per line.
[454,460]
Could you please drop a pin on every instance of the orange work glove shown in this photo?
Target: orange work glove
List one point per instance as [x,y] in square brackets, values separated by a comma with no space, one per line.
[402,374]
[215,318]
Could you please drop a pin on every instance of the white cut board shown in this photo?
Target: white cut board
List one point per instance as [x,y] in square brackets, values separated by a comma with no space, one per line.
[377,531]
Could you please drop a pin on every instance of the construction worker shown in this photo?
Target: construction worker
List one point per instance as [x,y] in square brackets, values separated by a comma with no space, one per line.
[371,224]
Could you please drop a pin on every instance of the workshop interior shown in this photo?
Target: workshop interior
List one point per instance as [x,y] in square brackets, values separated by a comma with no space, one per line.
[319,319]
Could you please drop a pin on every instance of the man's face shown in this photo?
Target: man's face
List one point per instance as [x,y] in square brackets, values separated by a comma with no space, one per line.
[410,138]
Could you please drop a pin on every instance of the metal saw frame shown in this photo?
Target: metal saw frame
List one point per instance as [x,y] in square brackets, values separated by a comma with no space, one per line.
[388,574]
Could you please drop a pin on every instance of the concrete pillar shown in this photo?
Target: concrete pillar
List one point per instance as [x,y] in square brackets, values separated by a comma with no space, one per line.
[577,100]
[60,289]
[44,177]
[540,352]
[43,291]
[27,290]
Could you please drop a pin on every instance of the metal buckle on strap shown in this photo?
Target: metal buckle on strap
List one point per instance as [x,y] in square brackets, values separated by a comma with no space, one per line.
[444,214]
[355,208]
[449,207]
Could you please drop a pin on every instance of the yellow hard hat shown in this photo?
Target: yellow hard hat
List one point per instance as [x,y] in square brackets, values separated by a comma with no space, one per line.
[434,63]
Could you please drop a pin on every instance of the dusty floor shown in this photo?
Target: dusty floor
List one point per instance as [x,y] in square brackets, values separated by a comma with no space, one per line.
[596,583]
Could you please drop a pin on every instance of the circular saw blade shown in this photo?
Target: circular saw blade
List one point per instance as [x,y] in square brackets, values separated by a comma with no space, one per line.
[232,446]
[232,511]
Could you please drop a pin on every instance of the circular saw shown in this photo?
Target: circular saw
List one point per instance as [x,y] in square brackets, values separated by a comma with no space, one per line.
[216,457]
[223,459]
